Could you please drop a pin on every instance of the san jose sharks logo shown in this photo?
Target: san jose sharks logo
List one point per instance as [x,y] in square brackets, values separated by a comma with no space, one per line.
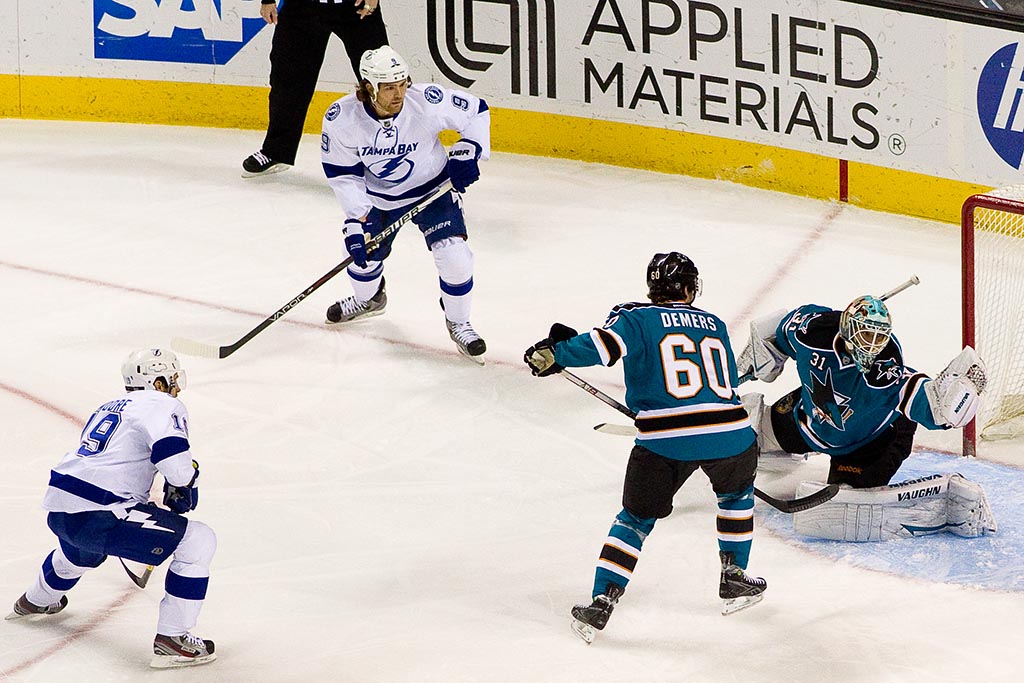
[829,406]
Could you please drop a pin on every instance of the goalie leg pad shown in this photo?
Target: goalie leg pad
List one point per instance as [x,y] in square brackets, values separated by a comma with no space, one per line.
[760,420]
[967,511]
[912,508]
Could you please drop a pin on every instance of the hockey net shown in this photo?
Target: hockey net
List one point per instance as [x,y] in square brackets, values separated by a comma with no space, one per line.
[992,241]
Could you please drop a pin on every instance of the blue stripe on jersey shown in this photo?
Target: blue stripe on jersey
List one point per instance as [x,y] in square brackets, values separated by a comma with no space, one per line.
[457,290]
[83,489]
[483,107]
[333,170]
[168,446]
[186,587]
[416,192]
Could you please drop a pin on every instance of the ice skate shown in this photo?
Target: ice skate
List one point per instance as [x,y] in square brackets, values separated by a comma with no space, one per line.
[469,342]
[348,309]
[259,164]
[738,590]
[24,608]
[587,620]
[184,650]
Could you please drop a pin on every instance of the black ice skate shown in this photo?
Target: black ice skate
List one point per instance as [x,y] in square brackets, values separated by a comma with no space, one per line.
[24,608]
[348,309]
[587,620]
[183,650]
[259,164]
[738,590]
[469,342]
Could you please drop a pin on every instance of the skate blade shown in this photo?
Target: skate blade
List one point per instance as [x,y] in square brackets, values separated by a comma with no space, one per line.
[178,662]
[584,631]
[734,605]
[263,174]
[479,360]
[364,316]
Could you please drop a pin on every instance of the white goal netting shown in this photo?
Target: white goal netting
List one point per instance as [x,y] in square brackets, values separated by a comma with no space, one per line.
[996,221]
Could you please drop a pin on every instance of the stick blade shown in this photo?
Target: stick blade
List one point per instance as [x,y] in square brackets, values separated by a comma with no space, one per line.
[617,430]
[193,348]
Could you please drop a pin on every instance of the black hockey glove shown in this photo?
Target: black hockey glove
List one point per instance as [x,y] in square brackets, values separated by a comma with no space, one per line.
[541,356]
[182,499]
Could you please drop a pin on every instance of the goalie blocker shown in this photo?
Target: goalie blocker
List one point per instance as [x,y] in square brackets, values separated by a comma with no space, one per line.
[919,507]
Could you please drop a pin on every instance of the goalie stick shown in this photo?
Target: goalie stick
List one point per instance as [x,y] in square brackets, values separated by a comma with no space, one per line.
[195,348]
[139,580]
[788,506]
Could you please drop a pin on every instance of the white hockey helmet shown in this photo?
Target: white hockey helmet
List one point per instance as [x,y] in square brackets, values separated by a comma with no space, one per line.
[141,368]
[866,327]
[382,65]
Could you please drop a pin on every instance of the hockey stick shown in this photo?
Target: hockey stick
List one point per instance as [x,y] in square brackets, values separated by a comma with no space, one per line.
[139,580]
[195,348]
[788,506]
[914,280]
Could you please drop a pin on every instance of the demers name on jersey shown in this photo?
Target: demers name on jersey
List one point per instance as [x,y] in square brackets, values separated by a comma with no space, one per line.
[688,319]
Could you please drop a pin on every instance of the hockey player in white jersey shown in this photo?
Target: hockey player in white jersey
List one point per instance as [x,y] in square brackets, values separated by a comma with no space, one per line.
[98,505]
[381,154]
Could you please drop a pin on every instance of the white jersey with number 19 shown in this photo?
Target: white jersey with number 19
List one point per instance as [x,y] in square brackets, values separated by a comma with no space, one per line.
[123,445]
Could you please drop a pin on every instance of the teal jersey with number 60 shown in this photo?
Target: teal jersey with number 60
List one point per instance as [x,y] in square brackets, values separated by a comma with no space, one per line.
[680,376]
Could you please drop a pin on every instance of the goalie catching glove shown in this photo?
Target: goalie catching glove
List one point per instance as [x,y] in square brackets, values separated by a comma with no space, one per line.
[182,499]
[955,395]
[541,356]
[761,358]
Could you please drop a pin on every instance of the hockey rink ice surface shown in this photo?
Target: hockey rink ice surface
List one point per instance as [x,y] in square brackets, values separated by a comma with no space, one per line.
[388,511]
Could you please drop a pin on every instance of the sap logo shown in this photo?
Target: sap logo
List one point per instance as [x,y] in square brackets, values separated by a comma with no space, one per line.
[187,31]
[1000,103]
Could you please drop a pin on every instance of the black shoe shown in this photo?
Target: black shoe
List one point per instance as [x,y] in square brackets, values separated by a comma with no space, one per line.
[736,588]
[594,617]
[184,650]
[258,164]
[348,309]
[24,608]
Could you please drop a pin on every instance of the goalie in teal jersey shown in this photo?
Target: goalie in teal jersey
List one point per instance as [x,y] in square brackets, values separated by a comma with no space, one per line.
[860,404]
[680,377]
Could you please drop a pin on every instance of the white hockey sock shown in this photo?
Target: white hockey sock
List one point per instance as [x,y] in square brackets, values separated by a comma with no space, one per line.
[56,569]
[186,580]
[365,281]
[454,262]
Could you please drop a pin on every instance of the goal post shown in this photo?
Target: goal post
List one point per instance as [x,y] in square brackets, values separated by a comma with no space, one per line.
[992,271]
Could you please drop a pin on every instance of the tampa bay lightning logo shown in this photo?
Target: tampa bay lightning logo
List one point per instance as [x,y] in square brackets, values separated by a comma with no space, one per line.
[1001,105]
[396,166]
[333,111]
[433,94]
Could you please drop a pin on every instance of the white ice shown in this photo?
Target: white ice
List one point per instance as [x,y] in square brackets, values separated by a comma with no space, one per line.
[388,511]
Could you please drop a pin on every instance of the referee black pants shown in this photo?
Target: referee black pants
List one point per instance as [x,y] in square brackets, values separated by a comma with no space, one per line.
[297,53]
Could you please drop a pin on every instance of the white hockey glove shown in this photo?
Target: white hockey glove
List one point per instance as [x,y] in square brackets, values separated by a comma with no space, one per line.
[761,358]
[955,395]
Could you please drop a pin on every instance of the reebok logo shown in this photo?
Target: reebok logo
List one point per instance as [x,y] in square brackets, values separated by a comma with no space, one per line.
[1000,105]
[186,31]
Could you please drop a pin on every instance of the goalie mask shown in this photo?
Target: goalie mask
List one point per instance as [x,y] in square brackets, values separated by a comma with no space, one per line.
[670,275]
[382,65]
[143,367]
[866,327]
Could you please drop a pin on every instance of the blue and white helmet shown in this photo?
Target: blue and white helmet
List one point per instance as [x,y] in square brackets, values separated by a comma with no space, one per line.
[143,367]
[382,65]
[866,327]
